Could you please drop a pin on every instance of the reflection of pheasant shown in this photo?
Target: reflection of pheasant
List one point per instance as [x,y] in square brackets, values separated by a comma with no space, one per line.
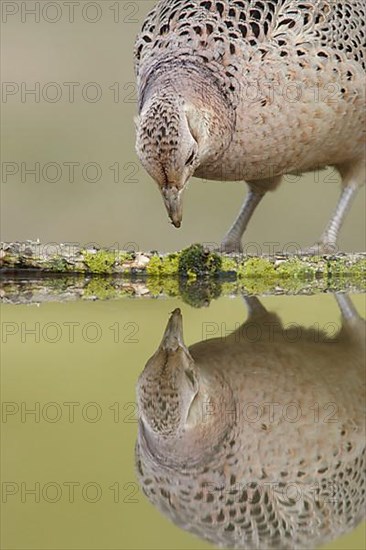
[257,440]
[248,90]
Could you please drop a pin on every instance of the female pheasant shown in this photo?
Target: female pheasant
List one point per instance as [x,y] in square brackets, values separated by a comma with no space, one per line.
[252,90]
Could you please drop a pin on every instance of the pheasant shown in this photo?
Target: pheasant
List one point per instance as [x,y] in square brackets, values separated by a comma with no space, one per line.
[252,90]
[257,440]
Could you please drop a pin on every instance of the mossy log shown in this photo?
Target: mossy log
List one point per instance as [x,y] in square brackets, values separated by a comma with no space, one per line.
[36,273]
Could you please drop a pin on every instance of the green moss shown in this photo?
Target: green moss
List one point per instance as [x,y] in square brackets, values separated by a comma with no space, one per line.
[59,265]
[167,285]
[341,269]
[257,286]
[199,293]
[163,265]
[154,266]
[358,271]
[228,288]
[100,261]
[228,265]
[101,288]
[171,264]
[257,275]
[257,268]
[296,269]
[195,261]
[124,257]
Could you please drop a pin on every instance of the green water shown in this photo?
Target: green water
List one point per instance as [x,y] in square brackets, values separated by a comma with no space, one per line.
[68,471]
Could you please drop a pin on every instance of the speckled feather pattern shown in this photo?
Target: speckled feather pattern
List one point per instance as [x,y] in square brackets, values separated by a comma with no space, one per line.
[290,78]
[234,496]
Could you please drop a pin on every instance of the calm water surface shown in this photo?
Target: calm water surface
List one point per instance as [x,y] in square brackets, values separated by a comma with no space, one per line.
[270,454]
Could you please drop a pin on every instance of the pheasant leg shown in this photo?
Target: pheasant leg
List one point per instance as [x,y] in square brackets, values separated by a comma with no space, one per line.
[232,239]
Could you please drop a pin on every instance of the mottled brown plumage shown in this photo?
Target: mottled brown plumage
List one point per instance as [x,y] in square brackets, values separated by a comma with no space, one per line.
[257,440]
[251,90]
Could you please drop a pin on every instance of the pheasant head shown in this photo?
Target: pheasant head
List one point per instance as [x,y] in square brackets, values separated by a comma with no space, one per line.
[172,141]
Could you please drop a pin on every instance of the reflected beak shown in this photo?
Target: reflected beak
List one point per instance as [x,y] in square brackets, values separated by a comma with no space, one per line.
[173,335]
[174,204]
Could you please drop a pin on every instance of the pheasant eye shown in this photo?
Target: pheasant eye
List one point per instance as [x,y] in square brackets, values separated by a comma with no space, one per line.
[190,158]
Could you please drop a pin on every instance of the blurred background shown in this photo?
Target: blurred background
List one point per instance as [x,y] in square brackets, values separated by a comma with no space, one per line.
[69,168]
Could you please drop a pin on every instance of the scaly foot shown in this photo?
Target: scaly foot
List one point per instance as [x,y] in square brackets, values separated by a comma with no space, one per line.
[321,248]
[230,247]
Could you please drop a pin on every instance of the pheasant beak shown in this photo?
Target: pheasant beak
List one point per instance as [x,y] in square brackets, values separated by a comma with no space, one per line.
[173,335]
[172,340]
[173,202]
